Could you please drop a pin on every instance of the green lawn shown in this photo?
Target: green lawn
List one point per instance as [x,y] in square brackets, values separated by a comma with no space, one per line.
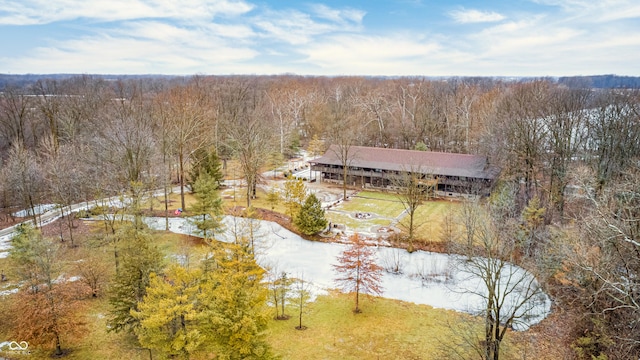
[383,208]
[378,195]
[428,219]
[386,329]
[355,224]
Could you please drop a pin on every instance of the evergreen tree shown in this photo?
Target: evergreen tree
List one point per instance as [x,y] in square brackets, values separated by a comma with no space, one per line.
[33,254]
[208,206]
[169,315]
[294,145]
[234,299]
[532,223]
[139,259]
[206,162]
[310,219]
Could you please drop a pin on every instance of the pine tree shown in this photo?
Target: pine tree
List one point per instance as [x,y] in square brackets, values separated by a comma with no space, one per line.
[33,254]
[208,207]
[129,287]
[170,315]
[274,161]
[206,162]
[234,300]
[357,270]
[310,219]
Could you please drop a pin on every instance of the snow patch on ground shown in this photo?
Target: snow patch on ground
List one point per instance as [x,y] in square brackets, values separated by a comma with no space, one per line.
[5,245]
[39,209]
[9,292]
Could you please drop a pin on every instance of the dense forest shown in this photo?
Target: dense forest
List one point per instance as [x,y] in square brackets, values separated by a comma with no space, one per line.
[569,151]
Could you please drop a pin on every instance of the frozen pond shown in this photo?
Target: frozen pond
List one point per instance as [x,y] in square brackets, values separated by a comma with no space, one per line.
[439,280]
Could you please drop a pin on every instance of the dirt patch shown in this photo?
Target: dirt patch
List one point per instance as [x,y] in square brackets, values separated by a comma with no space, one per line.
[60,229]
[549,339]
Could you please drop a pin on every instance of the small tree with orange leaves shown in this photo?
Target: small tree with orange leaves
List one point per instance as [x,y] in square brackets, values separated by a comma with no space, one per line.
[357,270]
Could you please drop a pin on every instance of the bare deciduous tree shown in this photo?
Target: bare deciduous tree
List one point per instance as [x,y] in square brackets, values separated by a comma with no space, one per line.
[509,293]
[414,187]
[603,261]
[15,114]
[24,178]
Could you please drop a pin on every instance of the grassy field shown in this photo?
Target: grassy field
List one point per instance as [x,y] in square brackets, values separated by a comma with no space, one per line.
[355,224]
[386,329]
[385,208]
[378,195]
[429,218]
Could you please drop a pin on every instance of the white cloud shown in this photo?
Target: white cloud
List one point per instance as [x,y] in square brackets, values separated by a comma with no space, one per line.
[296,27]
[292,26]
[30,12]
[167,52]
[597,11]
[465,16]
[395,54]
[621,10]
[340,16]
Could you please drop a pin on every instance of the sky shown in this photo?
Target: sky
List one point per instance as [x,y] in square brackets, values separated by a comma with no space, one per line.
[369,37]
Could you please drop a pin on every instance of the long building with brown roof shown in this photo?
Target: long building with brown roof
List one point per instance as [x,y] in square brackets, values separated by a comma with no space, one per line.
[453,174]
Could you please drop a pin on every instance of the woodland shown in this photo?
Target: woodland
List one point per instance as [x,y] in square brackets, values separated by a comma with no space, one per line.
[566,207]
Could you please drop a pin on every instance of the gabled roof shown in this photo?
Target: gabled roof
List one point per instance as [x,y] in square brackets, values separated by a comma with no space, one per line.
[427,162]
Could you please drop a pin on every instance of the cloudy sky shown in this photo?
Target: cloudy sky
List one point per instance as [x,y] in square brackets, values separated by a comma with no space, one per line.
[368,37]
